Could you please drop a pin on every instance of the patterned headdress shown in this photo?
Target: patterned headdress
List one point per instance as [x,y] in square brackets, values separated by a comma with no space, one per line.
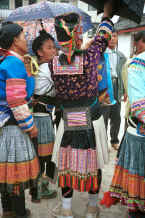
[69,34]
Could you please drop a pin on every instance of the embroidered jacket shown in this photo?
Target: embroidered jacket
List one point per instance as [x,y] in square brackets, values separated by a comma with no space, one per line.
[73,86]
[16,89]
[136,90]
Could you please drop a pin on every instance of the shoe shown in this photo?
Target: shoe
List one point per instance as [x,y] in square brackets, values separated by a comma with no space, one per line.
[65,213]
[28,214]
[92,212]
[46,193]
[115,146]
[49,194]
[9,214]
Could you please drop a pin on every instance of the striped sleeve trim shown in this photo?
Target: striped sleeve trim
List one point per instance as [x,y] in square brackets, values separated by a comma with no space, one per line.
[16,92]
[24,117]
[28,127]
[25,120]
[138,110]
[16,95]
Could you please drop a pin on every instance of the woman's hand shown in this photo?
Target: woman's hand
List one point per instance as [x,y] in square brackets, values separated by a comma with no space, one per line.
[34,132]
[108,6]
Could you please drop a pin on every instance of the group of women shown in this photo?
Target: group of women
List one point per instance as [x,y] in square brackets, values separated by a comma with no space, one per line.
[72,84]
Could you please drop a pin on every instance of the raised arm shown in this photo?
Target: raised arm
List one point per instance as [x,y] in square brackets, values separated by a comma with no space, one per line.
[103,34]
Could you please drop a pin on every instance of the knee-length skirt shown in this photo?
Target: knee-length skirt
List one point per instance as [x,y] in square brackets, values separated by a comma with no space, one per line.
[45,135]
[128,183]
[79,154]
[19,165]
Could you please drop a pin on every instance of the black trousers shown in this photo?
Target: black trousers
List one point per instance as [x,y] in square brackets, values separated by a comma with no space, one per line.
[15,203]
[50,166]
[68,192]
[112,113]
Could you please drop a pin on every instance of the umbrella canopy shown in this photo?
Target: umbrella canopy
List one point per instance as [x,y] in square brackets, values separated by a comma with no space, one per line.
[32,28]
[130,9]
[46,10]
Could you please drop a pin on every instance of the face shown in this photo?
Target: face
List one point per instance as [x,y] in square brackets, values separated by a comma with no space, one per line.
[20,44]
[47,51]
[139,46]
[79,43]
[113,42]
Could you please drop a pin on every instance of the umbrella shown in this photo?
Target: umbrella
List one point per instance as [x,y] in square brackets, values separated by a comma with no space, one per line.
[46,10]
[32,28]
[130,9]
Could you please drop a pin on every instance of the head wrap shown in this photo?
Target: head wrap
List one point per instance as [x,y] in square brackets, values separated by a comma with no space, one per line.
[7,34]
[69,34]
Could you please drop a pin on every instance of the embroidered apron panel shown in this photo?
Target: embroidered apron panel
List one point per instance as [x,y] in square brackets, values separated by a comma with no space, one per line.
[72,69]
[77,118]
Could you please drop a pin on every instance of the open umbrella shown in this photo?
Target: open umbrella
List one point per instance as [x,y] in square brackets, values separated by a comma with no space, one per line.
[32,29]
[46,10]
[130,9]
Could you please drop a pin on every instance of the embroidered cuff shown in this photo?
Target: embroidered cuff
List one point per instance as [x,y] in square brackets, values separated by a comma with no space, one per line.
[24,117]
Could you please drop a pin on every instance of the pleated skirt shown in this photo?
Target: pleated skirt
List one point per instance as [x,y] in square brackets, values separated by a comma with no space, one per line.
[79,154]
[128,183]
[19,165]
[45,135]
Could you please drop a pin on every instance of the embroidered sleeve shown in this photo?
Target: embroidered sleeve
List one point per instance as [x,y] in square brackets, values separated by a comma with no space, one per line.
[99,43]
[16,93]
[97,47]
[136,92]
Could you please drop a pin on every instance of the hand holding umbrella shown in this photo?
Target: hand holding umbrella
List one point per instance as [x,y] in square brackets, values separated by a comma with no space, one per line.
[108,9]
[130,9]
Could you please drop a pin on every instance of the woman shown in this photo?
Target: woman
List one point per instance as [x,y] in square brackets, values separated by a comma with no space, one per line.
[44,49]
[81,146]
[19,164]
[128,183]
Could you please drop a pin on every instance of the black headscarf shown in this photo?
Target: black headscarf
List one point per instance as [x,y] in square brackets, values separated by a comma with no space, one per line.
[71,20]
[68,34]
[7,34]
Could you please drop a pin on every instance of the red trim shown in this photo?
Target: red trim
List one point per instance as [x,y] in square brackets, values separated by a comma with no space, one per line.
[131,30]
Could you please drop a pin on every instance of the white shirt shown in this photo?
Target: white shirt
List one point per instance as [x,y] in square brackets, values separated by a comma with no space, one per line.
[44,84]
[43,81]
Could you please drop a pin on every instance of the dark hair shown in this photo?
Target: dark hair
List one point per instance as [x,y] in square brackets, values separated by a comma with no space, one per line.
[71,20]
[39,41]
[7,34]
[139,35]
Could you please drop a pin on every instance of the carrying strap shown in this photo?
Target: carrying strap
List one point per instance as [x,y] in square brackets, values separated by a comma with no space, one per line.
[3,54]
[31,63]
